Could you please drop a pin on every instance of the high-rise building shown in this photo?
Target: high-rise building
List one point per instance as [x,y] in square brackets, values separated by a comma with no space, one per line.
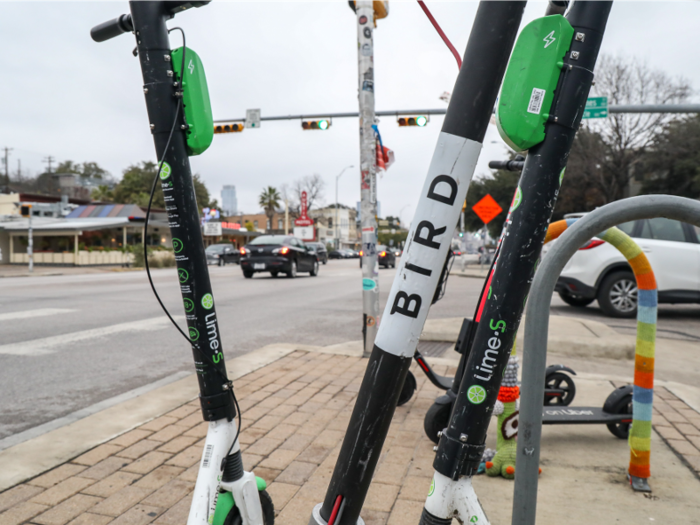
[229,202]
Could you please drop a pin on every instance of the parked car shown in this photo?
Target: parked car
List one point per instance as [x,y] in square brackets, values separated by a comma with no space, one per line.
[338,254]
[352,254]
[278,254]
[599,272]
[320,250]
[385,256]
[222,254]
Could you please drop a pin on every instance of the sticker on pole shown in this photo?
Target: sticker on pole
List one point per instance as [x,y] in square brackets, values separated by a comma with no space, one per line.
[476,394]
[208,301]
[368,284]
[165,171]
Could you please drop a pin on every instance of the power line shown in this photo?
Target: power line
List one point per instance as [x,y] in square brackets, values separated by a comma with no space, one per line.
[49,160]
[7,165]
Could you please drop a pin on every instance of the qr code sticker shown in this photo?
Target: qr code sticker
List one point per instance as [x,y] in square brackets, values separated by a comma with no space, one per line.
[536,99]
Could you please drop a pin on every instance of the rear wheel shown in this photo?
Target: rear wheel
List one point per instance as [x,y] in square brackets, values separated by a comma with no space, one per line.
[314,272]
[293,272]
[617,295]
[409,387]
[274,274]
[575,300]
[619,402]
[562,382]
[436,419]
[248,275]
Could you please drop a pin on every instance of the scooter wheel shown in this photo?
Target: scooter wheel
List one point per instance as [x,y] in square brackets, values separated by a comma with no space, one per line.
[559,381]
[619,402]
[268,510]
[436,419]
[409,387]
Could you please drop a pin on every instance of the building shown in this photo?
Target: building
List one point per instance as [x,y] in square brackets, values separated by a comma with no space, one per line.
[229,202]
[336,227]
[259,221]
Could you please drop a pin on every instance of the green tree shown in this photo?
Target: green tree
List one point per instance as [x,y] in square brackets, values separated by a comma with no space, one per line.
[135,187]
[269,200]
[672,164]
[86,169]
[102,194]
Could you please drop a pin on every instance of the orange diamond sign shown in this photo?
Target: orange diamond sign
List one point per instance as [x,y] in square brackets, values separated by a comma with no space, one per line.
[487,209]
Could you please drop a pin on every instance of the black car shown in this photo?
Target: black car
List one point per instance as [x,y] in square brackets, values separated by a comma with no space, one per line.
[222,254]
[386,257]
[278,254]
[320,250]
[338,254]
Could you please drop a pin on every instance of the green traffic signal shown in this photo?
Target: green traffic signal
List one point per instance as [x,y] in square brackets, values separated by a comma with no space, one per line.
[421,121]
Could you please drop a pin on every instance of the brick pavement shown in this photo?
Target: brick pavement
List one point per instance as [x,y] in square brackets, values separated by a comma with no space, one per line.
[295,412]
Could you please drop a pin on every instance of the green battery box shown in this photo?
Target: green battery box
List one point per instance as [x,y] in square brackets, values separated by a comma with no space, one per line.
[195,100]
[531,78]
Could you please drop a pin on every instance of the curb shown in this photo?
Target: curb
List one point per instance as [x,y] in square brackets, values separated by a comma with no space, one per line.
[37,455]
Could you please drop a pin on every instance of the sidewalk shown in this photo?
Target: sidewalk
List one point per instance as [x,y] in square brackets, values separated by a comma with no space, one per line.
[17,270]
[296,402]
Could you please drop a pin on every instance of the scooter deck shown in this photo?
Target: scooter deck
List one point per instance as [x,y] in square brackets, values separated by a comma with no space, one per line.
[581,416]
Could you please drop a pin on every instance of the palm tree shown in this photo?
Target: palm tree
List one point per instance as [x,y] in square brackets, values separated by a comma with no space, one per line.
[269,200]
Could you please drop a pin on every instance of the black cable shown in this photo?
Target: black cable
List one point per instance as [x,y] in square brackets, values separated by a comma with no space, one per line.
[224,377]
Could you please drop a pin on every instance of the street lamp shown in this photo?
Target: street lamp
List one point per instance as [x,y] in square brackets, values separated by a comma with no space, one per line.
[337,238]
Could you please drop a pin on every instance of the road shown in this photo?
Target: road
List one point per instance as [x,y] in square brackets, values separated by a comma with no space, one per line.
[73,344]
[72,341]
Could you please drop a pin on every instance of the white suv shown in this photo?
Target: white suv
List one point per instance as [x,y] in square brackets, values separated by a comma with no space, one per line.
[599,271]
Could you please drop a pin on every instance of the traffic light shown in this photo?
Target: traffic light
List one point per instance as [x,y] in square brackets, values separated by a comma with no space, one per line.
[418,120]
[228,128]
[322,124]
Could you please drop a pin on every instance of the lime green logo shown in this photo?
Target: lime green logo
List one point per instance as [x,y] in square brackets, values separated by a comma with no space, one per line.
[432,488]
[208,301]
[189,305]
[194,334]
[473,519]
[476,394]
[165,171]
[182,275]
[561,176]
[517,199]
[177,245]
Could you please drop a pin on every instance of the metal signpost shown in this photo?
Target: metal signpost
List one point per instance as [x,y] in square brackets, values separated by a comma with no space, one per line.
[364,11]
[596,107]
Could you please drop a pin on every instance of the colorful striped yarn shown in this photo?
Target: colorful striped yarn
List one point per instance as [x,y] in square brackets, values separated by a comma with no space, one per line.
[647,302]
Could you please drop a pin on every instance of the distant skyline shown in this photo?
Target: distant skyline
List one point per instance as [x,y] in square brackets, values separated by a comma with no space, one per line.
[68,97]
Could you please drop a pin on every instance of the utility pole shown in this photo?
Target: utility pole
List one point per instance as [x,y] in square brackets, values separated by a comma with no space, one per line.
[7,165]
[49,160]
[337,238]
[286,216]
[364,11]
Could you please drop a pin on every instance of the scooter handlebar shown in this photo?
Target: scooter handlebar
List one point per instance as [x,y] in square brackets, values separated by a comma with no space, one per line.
[107,30]
[509,165]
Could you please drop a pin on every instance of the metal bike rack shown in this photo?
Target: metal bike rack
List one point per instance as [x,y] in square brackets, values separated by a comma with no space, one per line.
[537,326]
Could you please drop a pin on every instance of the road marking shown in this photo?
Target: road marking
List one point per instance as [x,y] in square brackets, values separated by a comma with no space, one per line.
[48,345]
[39,312]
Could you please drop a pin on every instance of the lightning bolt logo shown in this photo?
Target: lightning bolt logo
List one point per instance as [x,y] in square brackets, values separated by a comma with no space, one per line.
[191,65]
[549,40]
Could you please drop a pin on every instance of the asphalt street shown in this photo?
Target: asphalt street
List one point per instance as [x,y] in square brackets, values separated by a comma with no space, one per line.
[72,344]
[72,341]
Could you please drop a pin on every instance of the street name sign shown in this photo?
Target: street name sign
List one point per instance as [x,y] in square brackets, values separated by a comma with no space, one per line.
[596,107]
[252,118]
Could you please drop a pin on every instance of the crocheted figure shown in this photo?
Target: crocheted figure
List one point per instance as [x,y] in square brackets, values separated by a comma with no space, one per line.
[506,408]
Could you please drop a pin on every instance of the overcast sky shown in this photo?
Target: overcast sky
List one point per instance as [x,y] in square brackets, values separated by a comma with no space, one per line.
[66,96]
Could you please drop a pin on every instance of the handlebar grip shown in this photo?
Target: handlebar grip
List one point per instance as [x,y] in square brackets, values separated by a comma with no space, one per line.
[116,27]
[508,165]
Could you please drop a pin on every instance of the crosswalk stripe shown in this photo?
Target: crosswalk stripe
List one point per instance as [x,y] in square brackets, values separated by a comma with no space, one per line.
[38,312]
[49,345]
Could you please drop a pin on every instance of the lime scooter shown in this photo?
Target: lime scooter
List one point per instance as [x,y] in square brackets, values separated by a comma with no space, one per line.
[544,93]
[179,112]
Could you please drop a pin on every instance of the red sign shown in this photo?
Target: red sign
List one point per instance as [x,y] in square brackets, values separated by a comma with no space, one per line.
[231,225]
[303,219]
[487,209]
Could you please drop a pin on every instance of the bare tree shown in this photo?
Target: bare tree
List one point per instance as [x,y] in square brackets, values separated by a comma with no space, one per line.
[626,136]
[314,187]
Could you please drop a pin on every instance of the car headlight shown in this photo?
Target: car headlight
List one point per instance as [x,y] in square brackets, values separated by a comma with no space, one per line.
[215,256]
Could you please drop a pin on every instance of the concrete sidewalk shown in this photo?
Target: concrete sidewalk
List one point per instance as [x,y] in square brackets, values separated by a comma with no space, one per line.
[16,270]
[296,402]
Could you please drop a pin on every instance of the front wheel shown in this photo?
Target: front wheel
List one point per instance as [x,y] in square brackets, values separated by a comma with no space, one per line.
[268,510]
[620,402]
[293,272]
[436,419]
[409,387]
[575,300]
[561,388]
[617,295]
[314,272]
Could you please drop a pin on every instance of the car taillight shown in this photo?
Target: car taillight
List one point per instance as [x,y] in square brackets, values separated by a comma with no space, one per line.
[361,253]
[383,254]
[284,250]
[243,251]
[591,244]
